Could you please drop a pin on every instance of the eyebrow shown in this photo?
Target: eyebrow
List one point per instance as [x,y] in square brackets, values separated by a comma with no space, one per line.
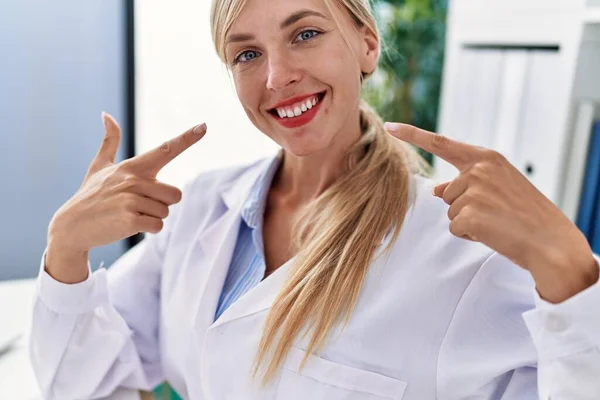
[297,16]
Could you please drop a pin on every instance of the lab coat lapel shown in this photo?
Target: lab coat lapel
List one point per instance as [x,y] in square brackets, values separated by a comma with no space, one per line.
[259,298]
[217,242]
[263,295]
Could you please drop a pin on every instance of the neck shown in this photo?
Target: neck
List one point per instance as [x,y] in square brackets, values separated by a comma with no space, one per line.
[299,180]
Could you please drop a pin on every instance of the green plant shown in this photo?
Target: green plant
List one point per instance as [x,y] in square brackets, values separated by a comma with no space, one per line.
[406,87]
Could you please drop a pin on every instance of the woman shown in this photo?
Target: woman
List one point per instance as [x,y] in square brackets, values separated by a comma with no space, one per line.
[327,271]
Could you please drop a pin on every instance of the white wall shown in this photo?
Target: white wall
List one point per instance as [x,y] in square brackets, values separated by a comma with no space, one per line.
[181,82]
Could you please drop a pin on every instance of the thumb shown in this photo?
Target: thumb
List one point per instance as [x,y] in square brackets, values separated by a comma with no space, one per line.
[112,139]
[438,190]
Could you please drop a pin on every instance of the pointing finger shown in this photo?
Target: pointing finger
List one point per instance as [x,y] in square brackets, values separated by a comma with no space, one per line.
[154,160]
[459,154]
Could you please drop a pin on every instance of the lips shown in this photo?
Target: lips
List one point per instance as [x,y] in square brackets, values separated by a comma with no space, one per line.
[296,106]
[298,117]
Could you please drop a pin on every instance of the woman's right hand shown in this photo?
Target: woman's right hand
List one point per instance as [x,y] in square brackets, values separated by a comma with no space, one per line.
[115,201]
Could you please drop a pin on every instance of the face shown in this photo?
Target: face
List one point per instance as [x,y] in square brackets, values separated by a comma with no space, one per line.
[295,74]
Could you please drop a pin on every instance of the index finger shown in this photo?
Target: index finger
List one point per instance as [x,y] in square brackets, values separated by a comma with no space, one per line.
[154,160]
[459,154]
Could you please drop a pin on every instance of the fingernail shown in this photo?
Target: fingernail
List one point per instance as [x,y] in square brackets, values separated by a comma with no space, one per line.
[392,126]
[200,129]
[103,115]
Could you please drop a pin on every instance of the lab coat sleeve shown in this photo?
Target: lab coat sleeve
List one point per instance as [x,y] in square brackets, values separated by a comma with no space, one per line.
[89,338]
[567,339]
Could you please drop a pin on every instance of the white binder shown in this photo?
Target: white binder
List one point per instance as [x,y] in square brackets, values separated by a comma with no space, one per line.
[510,104]
[541,146]
[506,100]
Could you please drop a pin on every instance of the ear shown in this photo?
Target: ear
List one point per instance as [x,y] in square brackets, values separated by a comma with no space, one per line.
[369,52]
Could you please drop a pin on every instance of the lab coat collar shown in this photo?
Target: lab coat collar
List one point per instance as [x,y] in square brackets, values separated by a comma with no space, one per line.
[235,192]
[254,207]
[231,192]
[218,242]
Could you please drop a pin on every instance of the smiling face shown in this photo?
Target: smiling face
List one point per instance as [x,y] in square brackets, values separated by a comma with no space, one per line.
[296,76]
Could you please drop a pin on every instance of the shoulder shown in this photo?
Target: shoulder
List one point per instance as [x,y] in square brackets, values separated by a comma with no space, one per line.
[426,236]
[426,255]
[463,272]
[427,223]
[426,227]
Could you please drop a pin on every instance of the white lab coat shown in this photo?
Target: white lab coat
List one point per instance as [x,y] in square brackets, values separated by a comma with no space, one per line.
[440,318]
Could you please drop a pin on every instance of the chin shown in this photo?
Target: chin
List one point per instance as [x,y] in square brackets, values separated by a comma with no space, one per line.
[305,145]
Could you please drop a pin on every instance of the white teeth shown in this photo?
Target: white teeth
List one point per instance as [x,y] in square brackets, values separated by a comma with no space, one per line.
[298,109]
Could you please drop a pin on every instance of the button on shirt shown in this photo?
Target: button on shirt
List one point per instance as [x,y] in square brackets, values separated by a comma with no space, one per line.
[247,266]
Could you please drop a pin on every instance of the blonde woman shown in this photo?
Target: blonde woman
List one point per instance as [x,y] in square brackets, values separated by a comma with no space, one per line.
[327,271]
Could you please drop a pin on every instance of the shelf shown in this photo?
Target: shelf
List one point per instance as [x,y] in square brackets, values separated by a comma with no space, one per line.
[592,15]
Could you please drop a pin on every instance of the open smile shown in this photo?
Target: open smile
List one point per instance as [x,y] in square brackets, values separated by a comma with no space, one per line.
[299,113]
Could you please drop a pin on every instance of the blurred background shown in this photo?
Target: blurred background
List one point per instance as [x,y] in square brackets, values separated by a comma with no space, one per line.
[519,77]
[152,66]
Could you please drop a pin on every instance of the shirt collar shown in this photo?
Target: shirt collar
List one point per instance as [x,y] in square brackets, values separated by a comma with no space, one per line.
[254,206]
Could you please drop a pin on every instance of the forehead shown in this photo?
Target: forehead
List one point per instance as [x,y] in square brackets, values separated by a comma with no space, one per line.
[257,14]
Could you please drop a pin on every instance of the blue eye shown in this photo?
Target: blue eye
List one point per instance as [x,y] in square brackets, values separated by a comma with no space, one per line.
[307,34]
[247,56]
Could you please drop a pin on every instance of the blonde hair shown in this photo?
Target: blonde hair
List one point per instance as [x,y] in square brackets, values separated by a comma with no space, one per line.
[336,236]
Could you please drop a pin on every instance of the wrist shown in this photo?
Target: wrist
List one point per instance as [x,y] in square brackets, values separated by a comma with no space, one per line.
[66,264]
[559,283]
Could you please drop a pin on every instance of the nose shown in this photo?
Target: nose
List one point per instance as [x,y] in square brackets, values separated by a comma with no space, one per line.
[282,73]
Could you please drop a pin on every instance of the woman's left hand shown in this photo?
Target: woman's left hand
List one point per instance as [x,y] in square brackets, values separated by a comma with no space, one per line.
[493,203]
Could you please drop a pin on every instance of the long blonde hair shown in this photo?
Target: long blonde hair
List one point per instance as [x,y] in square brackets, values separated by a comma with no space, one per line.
[335,237]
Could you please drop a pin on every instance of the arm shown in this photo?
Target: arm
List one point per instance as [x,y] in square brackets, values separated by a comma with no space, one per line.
[89,338]
[92,333]
[493,203]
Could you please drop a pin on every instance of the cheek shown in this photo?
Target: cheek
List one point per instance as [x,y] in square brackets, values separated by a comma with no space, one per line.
[247,90]
[249,96]
[342,70]
[244,95]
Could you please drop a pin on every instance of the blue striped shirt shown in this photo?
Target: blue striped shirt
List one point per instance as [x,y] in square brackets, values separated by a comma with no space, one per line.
[247,266]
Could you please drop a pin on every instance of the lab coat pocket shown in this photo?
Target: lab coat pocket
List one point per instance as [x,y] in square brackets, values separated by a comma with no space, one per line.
[323,379]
